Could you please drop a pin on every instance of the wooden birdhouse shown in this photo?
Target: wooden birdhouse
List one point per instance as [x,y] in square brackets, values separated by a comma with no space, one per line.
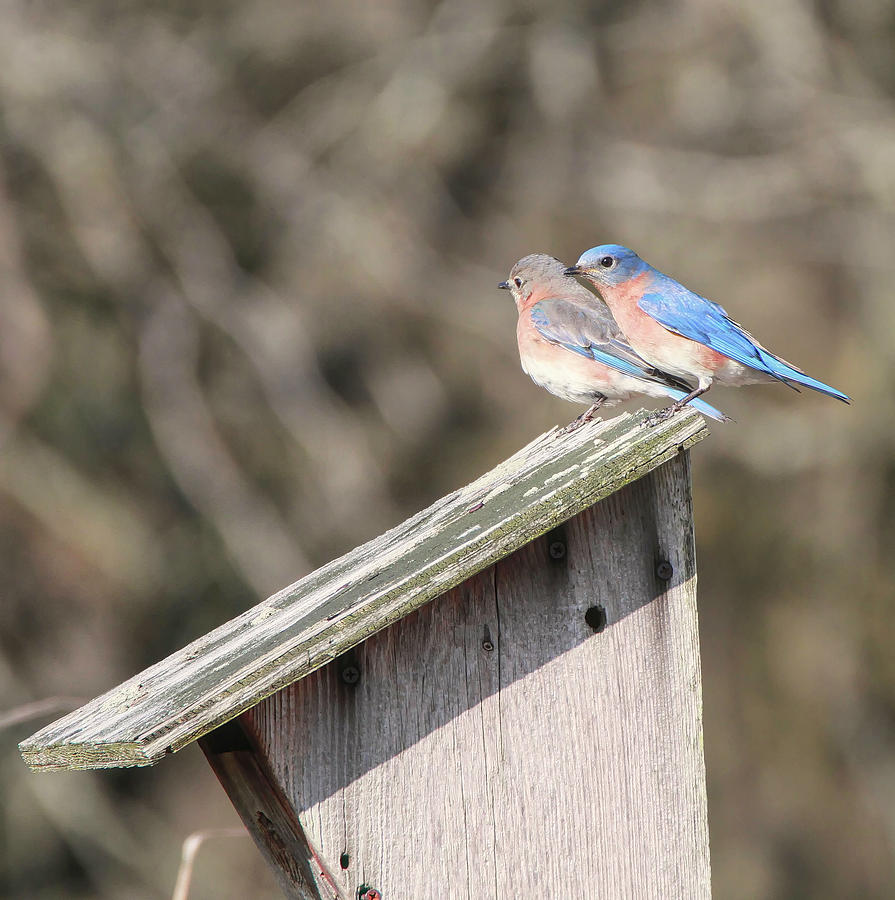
[498,698]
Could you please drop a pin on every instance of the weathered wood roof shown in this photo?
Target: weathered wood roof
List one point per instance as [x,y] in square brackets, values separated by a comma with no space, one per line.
[311,622]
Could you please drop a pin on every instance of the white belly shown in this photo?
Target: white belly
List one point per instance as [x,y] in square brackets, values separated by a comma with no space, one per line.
[568,387]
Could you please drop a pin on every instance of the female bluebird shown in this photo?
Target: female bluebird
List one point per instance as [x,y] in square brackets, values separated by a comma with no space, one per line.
[681,332]
[570,344]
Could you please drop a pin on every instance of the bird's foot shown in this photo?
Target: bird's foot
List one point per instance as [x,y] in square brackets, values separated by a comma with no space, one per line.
[661,415]
[667,413]
[587,416]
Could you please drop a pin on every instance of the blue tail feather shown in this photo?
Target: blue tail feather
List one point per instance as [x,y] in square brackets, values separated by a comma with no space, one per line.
[624,366]
[705,408]
[787,373]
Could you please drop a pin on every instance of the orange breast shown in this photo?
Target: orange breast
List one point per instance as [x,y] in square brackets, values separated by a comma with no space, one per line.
[654,342]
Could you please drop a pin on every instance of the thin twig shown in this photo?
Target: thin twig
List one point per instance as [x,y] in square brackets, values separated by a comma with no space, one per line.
[188,856]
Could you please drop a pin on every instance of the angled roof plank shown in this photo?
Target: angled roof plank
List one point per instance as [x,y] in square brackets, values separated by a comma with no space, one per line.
[313,621]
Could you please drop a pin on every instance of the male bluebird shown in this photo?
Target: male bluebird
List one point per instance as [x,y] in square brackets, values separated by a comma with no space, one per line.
[681,332]
[570,344]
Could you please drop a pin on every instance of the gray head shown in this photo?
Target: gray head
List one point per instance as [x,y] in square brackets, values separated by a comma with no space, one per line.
[536,271]
[609,264]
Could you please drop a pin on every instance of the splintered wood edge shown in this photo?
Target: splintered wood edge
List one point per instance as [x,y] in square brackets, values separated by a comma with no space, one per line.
[549,481]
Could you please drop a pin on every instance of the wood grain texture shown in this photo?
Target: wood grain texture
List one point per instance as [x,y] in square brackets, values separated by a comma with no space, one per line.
[333,609]
[268,816]
[562,763]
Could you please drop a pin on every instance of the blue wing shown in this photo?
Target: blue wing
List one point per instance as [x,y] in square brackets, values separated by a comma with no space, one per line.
[698,319]
[592,332]
[691,316]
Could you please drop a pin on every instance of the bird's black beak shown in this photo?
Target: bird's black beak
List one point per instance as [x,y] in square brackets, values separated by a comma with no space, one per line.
[573,270]
[504,285]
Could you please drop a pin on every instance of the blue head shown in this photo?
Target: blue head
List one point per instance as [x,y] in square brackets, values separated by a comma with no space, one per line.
[609,264]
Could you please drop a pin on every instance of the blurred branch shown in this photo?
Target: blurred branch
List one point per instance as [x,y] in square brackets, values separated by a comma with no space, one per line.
[103,834]
[25,336]
[188,854]
[38,709]
[258,540]
[103,524]
[274,338]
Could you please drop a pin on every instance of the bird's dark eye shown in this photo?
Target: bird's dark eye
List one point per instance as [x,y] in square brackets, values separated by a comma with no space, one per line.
[607,262]
[518,281]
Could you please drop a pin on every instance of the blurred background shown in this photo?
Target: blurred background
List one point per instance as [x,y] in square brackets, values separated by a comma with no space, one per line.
[249,319]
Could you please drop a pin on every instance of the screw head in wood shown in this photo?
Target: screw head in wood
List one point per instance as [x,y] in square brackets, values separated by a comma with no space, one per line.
[350,674]
[664,570]
[368,893]
[557,549]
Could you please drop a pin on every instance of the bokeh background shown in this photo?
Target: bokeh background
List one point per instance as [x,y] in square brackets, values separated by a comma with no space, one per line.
[248,319]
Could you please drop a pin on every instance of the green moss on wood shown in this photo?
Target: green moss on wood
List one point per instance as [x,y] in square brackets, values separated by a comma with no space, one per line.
[279,641]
